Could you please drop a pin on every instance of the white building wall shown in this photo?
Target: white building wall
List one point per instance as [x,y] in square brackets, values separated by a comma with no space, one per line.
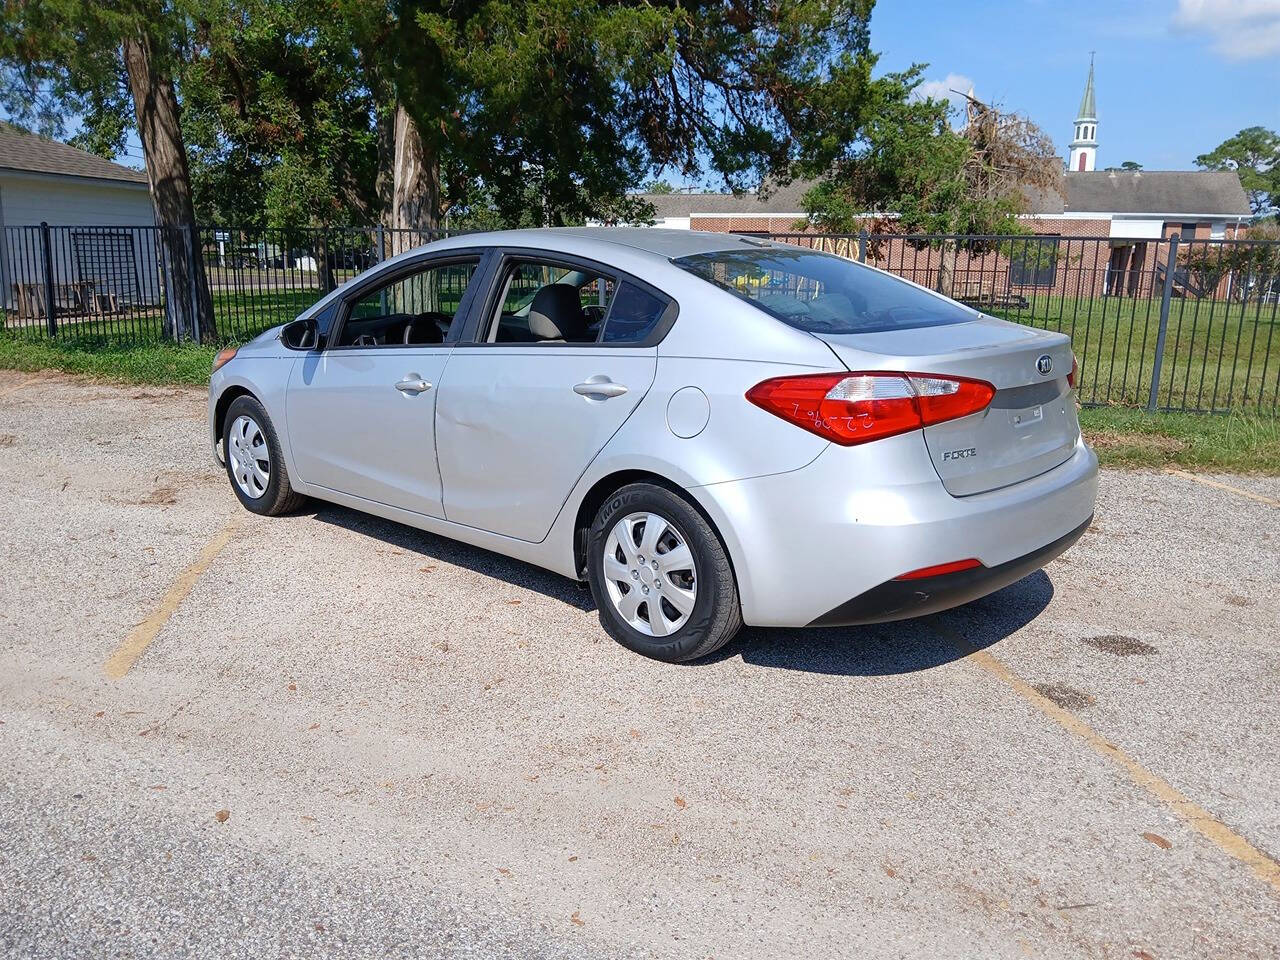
[26,200]
[29,199]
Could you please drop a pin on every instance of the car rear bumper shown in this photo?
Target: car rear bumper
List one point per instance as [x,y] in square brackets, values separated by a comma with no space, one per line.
[845,526]
[902,599]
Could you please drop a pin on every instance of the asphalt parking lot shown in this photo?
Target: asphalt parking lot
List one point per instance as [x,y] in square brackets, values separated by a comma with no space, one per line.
[223,735]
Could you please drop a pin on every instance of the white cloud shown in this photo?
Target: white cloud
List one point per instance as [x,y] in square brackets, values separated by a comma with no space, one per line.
[945,89]
[1239,29]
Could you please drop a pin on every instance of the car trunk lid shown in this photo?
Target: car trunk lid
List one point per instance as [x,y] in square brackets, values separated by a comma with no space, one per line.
[1029,427]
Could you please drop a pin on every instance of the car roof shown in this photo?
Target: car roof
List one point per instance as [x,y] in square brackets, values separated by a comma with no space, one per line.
[658,247]
[667,244]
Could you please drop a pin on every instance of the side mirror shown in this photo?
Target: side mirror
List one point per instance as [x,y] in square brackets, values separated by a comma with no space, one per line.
[301,334]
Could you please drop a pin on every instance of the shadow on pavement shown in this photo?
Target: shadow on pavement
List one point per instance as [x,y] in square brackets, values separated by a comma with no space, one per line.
[434,547]
[876,650]
[904,646]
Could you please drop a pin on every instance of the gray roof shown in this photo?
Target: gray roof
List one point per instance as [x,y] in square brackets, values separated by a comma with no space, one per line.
[1170,192]
[779,200]
[1088,109]
[32,154]
[1157,191]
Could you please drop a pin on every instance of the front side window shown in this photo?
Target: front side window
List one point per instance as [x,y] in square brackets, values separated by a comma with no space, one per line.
[414,310]
[821,293]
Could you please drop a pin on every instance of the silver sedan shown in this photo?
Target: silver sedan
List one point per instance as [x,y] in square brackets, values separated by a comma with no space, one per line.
[709,429]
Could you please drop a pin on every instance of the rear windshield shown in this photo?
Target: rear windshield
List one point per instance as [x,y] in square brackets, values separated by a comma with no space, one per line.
[821,293]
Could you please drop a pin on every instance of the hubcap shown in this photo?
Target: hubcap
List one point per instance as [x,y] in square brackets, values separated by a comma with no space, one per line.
[649,574]
[249,457]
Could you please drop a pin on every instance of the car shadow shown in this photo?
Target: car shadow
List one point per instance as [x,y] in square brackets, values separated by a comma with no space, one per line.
[886,649]
[434,547]
[904,646]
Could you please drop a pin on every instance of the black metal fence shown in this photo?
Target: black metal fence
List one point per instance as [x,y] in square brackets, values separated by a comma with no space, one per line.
[1164,324]
[109,286]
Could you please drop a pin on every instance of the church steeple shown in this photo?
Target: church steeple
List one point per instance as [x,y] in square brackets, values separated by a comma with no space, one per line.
[1084,148]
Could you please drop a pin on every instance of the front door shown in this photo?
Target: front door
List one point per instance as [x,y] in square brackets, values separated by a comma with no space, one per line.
[361,413]
[562,359]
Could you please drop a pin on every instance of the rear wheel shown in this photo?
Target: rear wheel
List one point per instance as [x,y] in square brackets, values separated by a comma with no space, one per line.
[255,464]
[660,576]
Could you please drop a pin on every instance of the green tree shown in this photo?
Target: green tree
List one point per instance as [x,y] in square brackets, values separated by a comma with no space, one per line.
[1254,154]
[79,56]
[658,187]
[910,163]
[575,100]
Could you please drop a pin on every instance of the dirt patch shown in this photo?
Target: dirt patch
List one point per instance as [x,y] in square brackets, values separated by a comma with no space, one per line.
[1120,646]
[1112,440]
[7,439]
[160,497]
[1234,599]
[1069,698]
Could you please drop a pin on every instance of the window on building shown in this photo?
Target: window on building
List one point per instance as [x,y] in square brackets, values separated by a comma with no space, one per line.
[1188,231]
[1033,262]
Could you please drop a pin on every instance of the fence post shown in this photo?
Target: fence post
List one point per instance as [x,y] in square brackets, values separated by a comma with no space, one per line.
[46,252]
[193,255]
[1170,267]
[862,245]
[382,243]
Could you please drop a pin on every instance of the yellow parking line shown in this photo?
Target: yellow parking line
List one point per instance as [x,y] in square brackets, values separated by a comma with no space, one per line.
[18,386]
[1224,486]
[141,636]
[1196,817]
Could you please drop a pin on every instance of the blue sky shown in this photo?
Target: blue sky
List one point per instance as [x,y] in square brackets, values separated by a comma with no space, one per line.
[1174,78]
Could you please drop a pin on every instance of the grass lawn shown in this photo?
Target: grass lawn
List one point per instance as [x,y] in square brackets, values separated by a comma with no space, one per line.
[1231,443]
[154,363]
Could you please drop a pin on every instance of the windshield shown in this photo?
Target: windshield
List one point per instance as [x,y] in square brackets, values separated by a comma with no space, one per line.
[820,293]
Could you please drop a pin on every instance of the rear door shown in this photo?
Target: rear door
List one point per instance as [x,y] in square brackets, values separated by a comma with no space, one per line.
[361,413]
[1031,424]
[521,414]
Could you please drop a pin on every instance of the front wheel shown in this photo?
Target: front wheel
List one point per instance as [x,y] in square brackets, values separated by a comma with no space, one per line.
[660,576]
[255,464]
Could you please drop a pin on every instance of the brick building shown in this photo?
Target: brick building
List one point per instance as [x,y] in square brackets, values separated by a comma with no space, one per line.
[1107,235]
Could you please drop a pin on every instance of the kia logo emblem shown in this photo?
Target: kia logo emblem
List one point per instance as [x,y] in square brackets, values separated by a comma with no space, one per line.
[1045,364]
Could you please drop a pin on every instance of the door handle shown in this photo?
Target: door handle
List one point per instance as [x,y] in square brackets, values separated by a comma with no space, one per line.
[599,387]
[412,383]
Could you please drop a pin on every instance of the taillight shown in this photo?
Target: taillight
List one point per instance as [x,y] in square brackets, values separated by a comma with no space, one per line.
[1075,368]
[852,408]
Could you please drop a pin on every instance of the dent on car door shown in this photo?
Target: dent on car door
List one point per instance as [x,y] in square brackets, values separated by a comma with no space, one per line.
[523,412]
[361,412]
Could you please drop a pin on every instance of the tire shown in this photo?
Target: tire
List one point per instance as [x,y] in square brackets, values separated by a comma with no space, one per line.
[277,496]
[626,590]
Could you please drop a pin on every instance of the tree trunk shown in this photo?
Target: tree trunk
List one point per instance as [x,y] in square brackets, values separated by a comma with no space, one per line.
[384,181]
[415,201]
[947,268]
[189,309]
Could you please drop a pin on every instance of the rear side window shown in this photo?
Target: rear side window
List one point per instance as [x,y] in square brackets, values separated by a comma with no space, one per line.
[633,314]
[820,293]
